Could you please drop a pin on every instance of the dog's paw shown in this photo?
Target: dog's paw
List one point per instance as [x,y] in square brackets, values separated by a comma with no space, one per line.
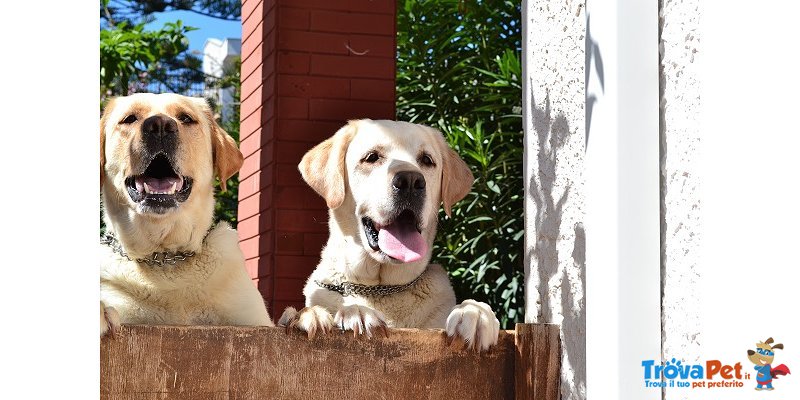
[109,320]
[475,323]
[361,320]
[310,320]
[288,314]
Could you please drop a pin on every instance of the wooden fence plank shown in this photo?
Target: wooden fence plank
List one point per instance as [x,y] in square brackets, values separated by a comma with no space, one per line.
[537,363]
[160,362]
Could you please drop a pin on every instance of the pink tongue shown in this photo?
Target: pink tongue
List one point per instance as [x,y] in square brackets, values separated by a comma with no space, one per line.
[406,245]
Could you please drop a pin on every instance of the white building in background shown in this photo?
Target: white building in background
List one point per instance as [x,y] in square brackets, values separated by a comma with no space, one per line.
[218,55]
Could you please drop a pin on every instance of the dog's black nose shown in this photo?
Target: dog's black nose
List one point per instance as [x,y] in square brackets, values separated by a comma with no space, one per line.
[159,133]
[408,182]
[159,125]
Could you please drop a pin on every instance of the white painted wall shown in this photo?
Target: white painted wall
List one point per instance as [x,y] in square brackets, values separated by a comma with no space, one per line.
[592,203]
[622,199]
[554,116]
[682,208]
[602,199]
[736,189]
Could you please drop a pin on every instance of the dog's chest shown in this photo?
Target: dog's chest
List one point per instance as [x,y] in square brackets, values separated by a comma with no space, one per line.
[402,310]
[187,308]
[187,294]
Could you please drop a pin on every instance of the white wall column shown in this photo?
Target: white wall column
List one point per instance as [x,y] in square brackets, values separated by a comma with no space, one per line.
[555,136]
[681,207]
[592,162]
[622,196]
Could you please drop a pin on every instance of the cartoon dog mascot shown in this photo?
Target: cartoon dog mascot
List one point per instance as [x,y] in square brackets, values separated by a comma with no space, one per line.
[762,357]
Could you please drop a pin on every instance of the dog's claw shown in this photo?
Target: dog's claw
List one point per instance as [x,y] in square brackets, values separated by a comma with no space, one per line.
[288,314]
[361,320]
[384,330]
[311,320]
[468,346]
[312,332]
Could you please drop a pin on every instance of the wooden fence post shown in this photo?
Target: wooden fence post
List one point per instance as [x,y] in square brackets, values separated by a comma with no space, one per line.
[537,363]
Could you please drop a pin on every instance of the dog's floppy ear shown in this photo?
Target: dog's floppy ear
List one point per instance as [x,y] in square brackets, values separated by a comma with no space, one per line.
[228,159]
[778,346]
[227,156]
[323,166]
[103,121]
[457,178]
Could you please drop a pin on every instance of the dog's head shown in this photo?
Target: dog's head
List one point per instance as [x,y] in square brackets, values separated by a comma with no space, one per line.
[159,152]
[389,178]
[764,353]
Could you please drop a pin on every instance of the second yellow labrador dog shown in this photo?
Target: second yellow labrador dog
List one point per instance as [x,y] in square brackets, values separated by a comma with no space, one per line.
[383,182]
[162,261]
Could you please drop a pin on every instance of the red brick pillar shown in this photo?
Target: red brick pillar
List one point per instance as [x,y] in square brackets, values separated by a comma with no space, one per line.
[307,67]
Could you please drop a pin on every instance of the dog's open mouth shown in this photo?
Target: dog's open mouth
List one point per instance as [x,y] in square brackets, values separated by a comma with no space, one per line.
[160,187]
[401,239]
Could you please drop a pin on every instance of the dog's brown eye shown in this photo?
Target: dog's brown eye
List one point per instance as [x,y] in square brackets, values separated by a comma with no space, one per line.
[186,118]
[372,157]
[129,119]
[426,160]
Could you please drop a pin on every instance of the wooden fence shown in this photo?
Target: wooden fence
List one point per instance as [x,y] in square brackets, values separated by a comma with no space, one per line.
[171,362]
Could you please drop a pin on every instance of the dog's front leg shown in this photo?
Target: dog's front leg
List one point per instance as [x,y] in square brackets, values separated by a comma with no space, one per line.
[109,320]
[474,322]
[361,320]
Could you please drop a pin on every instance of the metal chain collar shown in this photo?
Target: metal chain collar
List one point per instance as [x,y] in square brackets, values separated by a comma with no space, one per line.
[159,258]
[349,288]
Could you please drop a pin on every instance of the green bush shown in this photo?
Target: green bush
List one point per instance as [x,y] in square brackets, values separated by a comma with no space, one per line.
[128,52]
[227,204]
[458,70]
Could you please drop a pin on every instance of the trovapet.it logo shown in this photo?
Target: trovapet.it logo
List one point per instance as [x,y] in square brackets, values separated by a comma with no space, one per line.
[715,373]
[711,374]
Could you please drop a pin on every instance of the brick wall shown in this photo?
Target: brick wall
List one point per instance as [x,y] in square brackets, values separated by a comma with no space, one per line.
[307,67]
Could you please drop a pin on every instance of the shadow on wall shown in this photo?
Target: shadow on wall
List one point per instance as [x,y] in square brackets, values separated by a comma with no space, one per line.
[552,134]
[592,54]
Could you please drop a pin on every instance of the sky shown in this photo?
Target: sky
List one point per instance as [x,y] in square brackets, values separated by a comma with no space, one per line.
[207,27]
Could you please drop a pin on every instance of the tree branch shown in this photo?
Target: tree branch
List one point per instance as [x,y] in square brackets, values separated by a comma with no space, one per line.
[108,15]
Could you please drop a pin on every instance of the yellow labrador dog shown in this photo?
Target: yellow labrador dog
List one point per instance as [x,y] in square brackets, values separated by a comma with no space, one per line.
[162,262]
[383,182]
